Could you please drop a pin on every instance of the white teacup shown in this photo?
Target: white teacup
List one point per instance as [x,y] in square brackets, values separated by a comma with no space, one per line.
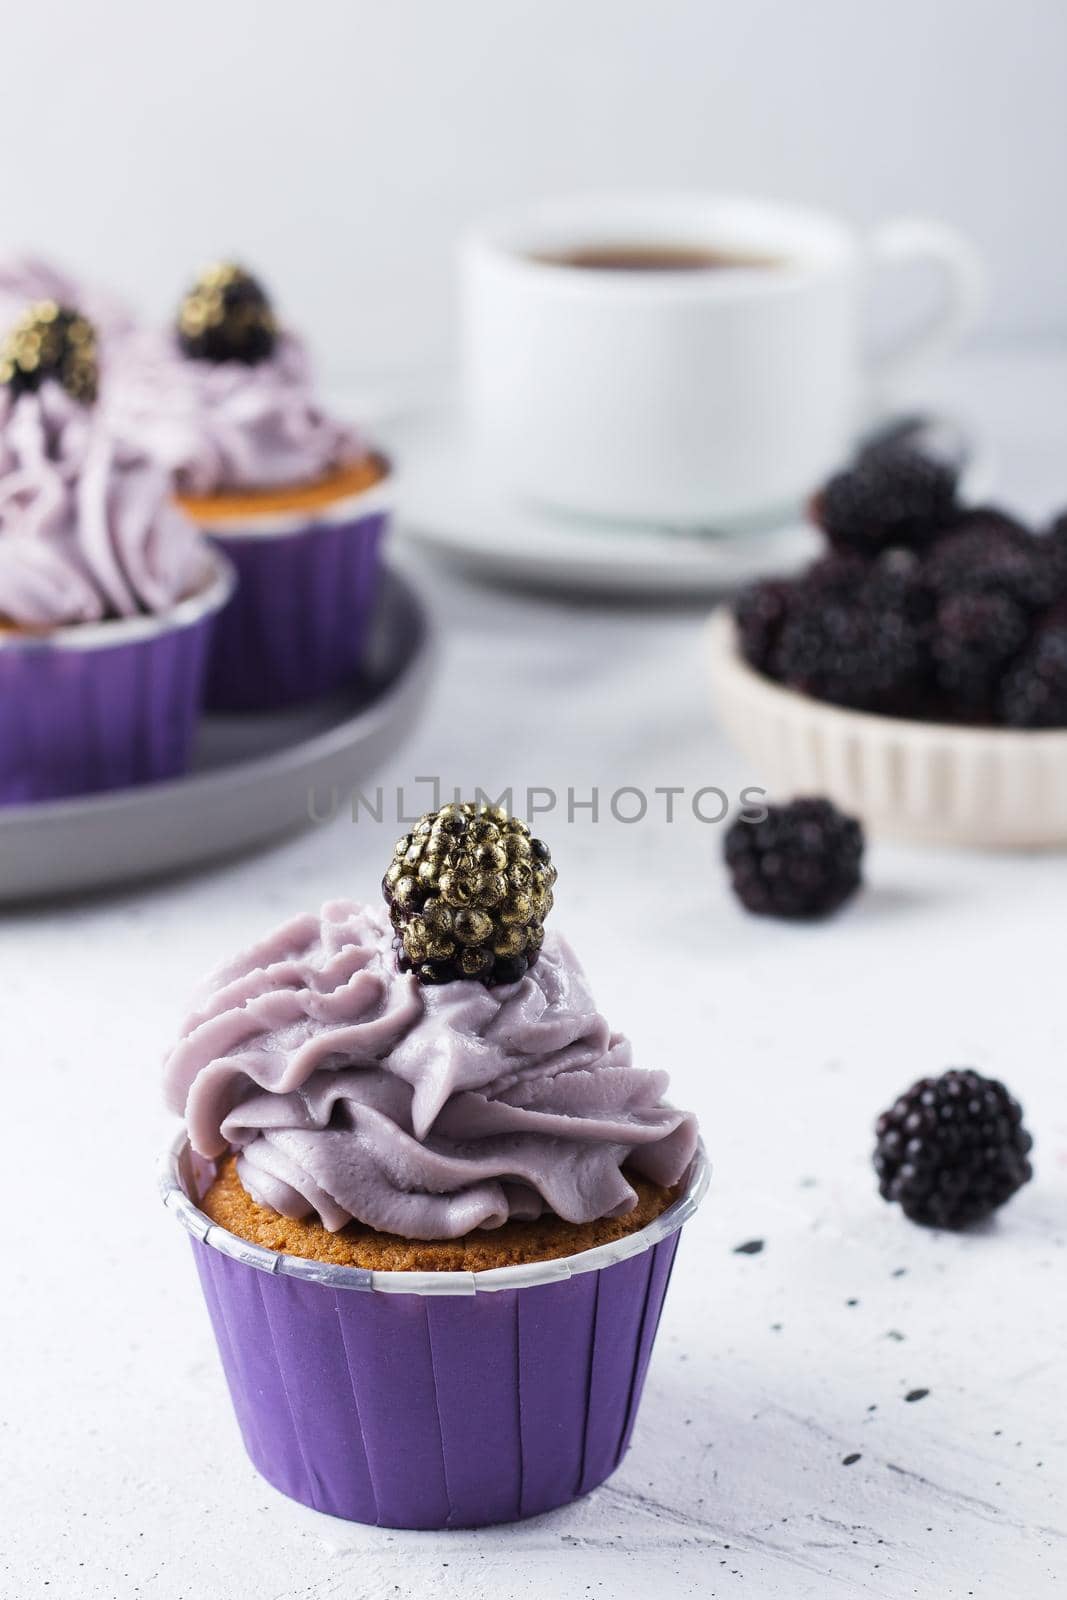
[692,393]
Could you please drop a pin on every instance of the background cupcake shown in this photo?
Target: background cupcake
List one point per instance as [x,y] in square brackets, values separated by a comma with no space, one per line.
[436,1212]
[226,402]
[107,591]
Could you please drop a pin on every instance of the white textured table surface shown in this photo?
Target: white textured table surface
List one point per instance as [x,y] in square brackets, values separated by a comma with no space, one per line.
[122,1470]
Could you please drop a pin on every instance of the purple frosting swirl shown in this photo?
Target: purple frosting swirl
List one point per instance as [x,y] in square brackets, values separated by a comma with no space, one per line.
[26,279]
[87,527]
[225,425]
[351,1091]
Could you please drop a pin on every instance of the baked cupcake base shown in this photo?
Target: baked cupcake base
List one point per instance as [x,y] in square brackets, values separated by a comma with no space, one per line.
[433,1399]
[547,1239]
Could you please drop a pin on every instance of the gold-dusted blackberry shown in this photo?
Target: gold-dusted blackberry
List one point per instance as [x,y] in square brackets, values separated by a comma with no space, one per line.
[227,316]
[468,891]
[50,341]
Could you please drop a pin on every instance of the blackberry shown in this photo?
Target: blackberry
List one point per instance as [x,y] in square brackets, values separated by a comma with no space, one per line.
[759,612]
[989,551]
[976,635]
[896,583]
[1055,541]
[468,891]
[921,434]
[1033,693]
[889,498]
[226,316]
[952,1149]
[992,520]
[801,860]
[840,573]
[862,646]
[50,341]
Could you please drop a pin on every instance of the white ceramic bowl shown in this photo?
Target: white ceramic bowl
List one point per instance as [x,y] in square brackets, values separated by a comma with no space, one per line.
[923,781]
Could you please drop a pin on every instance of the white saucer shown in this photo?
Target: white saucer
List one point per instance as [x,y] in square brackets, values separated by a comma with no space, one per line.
[447,504]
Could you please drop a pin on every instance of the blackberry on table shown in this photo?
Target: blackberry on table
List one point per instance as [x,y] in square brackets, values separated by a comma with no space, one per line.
[952,1149]
[803,860]
[889,498]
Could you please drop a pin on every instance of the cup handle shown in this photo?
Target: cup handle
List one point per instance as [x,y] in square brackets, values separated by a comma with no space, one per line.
[909,239]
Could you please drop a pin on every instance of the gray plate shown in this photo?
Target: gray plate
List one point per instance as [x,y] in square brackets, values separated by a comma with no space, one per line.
[249,782]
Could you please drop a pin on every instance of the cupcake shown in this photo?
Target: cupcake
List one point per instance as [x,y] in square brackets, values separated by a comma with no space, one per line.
[434,1204]
[917,672]
[294,498]
[107,592]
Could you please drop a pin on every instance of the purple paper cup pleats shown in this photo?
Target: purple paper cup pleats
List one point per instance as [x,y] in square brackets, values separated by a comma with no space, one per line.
[434,1400]
[299,621]
[100,706]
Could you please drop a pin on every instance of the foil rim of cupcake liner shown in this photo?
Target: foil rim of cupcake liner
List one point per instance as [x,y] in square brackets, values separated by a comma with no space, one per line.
[212,595]
[355,507]
[176,1175]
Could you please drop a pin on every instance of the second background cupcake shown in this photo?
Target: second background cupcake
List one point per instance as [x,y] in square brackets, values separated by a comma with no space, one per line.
[226,402]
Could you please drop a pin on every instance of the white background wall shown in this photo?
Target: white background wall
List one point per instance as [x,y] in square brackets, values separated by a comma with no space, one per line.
[337,145]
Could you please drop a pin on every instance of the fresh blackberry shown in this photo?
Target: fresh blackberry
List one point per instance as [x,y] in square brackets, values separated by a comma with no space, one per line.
[227,316]
[468,891]
[761,609]
[1033,693]
[759,612]
[921,434]
[50,341]
[992,520]
[801,860]
[1056,543]
[952,1149]
[975,637]
[836,572]
[897,583]
[853,648]
[888,499]
[987,551]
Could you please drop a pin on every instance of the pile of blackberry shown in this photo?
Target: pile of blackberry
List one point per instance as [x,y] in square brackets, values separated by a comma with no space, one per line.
[920,607]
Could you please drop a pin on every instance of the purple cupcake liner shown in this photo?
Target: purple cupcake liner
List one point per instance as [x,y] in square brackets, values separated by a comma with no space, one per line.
[298,623]
[433,1400]
[98,706]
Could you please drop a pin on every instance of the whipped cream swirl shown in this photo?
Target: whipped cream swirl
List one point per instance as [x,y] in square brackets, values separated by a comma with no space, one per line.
[87,528]
[225,425]
[351,1091]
